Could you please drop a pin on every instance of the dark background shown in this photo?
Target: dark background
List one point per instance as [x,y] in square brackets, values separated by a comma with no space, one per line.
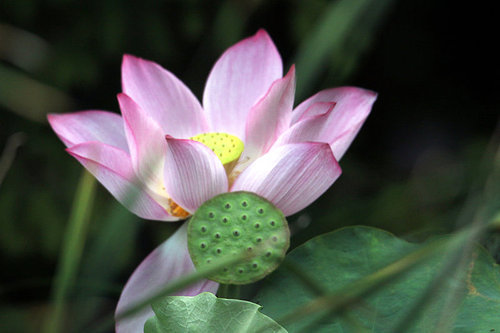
[409,170]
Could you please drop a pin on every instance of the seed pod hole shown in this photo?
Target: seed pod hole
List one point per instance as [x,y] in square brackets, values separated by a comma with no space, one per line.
[260,232]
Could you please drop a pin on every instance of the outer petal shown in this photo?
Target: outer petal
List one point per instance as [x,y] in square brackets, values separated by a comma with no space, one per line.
[113,168]
[84,126]
[193,173]
[241,76]
[146,140]
[291,176]
[352,107]
[163,97]
[270,116]
[166,263]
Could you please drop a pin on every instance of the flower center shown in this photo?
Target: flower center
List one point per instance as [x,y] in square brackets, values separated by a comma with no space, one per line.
[227,147]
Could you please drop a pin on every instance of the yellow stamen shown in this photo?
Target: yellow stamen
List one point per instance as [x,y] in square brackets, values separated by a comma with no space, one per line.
[227,147]
[176,210]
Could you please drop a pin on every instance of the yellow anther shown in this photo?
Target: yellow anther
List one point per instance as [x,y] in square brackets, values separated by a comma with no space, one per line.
[227,147]
[176,210]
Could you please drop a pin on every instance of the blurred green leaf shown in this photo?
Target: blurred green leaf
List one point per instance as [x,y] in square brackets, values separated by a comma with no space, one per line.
[207,313]
[337,259]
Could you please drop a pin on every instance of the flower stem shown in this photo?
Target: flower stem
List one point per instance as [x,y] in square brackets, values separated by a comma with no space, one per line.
[229,291]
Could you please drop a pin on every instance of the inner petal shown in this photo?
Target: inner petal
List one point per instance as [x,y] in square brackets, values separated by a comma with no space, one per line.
[228,148]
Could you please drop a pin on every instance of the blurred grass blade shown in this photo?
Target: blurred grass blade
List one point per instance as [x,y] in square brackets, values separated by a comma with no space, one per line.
[335,302]
[28,97]
[117,228]
[346,25]
[71,252]
[487,196]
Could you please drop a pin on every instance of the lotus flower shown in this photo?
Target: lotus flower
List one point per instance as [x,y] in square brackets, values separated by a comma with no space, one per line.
[163,150]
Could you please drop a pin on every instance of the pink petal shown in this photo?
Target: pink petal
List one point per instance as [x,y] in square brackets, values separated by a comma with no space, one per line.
[113,168]
[193,173]
[352,107]
[270,116]
[146,141]
[311,128]
[168,262]
[84,126]
[291,176]
[241,76]
[163,97]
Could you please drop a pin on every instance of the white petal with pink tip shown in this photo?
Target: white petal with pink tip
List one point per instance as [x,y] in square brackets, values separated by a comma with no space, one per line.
[270,116]
[113,168]
[147,143]
[78,127]
[193,173]
[163,97]
[240,77]
[310,128]
[291,176]
[353,105]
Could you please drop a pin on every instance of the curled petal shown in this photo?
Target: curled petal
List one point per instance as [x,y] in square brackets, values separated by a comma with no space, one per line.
[113,168]
[163,97]
[270,116]
[193,173]
[291,176]
[78,127]
[311,128]
[168,262]
[352,107]
[146,141]
[240,77]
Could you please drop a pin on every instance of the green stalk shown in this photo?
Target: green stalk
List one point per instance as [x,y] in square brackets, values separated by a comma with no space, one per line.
[71,253]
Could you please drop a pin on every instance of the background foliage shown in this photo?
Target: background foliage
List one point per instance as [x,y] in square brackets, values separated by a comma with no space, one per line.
[409,171]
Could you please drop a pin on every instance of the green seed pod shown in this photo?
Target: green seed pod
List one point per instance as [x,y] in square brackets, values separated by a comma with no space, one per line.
[234,223]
